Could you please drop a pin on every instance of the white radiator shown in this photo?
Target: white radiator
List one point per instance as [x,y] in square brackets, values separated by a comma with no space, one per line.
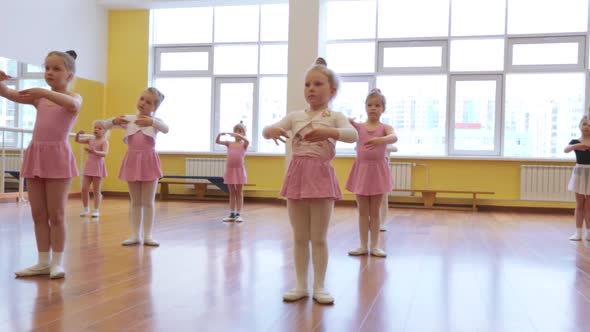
[12,161]
[204,167]
[545,183]
[402,177]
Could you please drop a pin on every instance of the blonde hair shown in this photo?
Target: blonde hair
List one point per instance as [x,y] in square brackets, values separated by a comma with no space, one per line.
[242,126]
[106,130]
[69,58]
[321,66]
[159,95]
[375,93]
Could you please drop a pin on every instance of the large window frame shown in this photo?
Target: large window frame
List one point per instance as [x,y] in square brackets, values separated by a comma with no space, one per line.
[157,50]
[578,63]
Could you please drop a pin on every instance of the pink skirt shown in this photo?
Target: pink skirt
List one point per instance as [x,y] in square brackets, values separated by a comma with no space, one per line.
[369,178]
[235,175]
[140,165]
[49,160]
[95,167]
[311,177]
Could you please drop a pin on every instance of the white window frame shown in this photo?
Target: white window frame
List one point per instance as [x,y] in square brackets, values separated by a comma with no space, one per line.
[185,49]
[498,126]
[218,81]
[23,73]
[579,66]
[443,68]
[371,80]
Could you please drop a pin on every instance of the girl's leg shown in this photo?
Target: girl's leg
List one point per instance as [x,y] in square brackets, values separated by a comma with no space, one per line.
[375,223]
[36,194]
[96,188]
[148,196]
[579,214]
[299,217]
[587,216]
[239,201]
[384,208]
[364,215]
[321,213]
[134,213]
[56,191]
[85,189]
[232,203]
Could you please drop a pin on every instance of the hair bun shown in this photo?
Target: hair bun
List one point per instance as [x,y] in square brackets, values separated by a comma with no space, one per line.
[375,90]
[321,61]
[72,53]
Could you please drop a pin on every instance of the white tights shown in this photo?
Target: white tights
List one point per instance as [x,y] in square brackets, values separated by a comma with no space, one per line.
[309,219]
[142,194]
[370,208]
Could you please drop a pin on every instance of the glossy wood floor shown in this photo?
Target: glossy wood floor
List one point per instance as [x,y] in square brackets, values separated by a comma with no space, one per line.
[446,271]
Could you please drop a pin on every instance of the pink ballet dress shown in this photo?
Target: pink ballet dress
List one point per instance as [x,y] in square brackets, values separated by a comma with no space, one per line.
[235,170]
[49,154]
[370,174]
[95,164]
[310,173]
[141,162]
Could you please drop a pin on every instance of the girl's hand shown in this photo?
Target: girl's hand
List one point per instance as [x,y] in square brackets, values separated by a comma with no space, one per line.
[81,132]
[120,120]
[582,147]
[4,76]
[373,142]
[321,134]
[34,93]
[144,121]
[89,149]
[277,134]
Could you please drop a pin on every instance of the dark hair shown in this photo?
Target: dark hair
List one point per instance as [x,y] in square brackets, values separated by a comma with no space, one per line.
[69,58]
[375,93]
[321,65]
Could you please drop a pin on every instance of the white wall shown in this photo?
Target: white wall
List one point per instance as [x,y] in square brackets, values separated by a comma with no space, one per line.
[32,28]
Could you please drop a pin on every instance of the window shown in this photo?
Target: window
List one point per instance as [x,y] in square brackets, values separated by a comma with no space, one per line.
[475,115]
[465,77]
[220,65]
[25,76]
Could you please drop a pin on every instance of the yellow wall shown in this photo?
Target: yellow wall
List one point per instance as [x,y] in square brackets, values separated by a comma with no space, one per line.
[127,77]
[127,68]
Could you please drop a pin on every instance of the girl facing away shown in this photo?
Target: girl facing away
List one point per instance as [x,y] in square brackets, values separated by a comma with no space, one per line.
[235,171]
[310,185]
[141,166]
[580,180]
[94,169]
[370,177]
[49,164]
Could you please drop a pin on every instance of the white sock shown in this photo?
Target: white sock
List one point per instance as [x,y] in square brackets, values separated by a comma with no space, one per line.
[57,258]
[43,258]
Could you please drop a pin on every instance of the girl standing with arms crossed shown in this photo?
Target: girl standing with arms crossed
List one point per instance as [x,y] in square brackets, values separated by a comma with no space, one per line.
[49,164]
[370,177]
[141,165]
[235,171]
[310,185]
[94,169]
[580,180]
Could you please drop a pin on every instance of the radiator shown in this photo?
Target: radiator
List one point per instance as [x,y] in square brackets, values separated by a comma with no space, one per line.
[12,161]
[204,167]
[402,177]
[545,183]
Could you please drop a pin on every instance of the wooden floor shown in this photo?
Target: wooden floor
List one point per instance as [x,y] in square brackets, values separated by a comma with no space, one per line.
[446,271]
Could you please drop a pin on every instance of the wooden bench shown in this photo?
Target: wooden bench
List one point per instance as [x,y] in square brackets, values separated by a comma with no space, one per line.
[200,187]
[429,195]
